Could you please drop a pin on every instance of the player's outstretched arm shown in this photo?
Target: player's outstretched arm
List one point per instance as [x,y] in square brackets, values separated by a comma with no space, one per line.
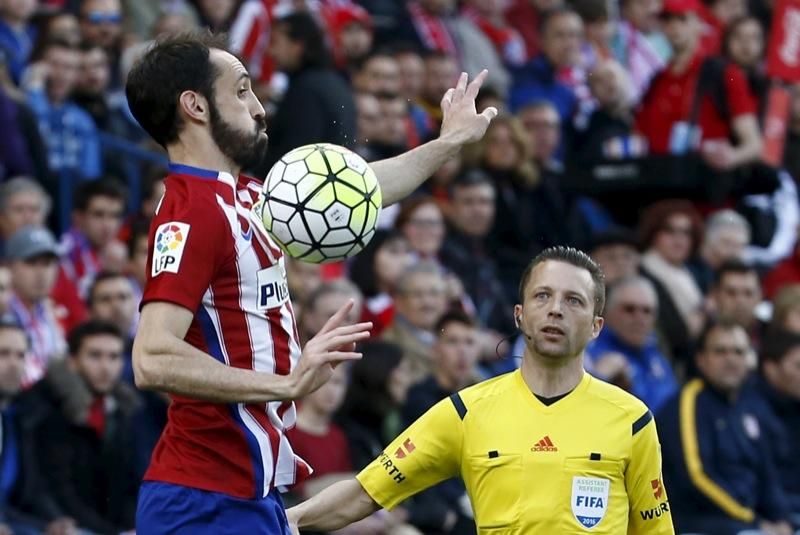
[163,361]
[337,506]
[462,124]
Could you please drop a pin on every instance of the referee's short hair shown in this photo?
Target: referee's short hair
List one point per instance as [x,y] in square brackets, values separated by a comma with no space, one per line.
[577,258]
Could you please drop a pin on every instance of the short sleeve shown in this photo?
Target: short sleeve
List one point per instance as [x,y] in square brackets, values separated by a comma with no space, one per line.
[737,90]
[189,241]
[428,452]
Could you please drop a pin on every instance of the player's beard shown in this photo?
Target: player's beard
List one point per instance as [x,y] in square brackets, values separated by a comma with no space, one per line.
[247,150]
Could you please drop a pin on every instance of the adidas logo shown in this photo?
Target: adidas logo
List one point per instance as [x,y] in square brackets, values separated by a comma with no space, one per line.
[544,444]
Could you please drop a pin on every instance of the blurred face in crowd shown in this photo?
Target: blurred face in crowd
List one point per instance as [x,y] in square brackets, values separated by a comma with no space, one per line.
[502,153]
[394,112]
[33,279]
[422,301]
[599,32]
[149,204]
[95,72]
[24,208]
[543,125]
[441,73]
[63,71]
[302,277]
[682,32]
[438,7]
[112,301]
[391,260]
[607,83]
[725,243]
[65,26]
[101,22]
[368,118]
[5,289]
[101,221]
[425,230]
[137,264]
[791,322]
[114,256]
[380,75]
[99,362]
[784,375]
[642,14]
[746,44]
[399,382]
[171,24]
[557,311]
[327,399]
[286,53]
[617,260]
[314,317]
[489,8]
[674,240]
[455,354]
[412,74]
[217,11]
[631,313]
[723,360]
[13,346]
[355,40]
[726,11]
[473,209]
[561,40]
[17,10]
[736,297]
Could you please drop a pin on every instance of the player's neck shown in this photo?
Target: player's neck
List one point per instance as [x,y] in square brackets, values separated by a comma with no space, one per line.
[548,379]
[202,153]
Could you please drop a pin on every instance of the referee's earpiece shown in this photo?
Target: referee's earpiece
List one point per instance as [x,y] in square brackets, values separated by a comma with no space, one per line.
[517,320]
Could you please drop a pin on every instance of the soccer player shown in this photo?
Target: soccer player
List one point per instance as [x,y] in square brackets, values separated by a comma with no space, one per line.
[544,449]
[217,330]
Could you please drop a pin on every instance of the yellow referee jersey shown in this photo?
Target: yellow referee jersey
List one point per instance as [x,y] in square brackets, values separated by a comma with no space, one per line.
[589,463]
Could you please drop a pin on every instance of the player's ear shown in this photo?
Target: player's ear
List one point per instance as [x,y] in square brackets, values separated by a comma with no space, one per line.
[193,106]
[597,326]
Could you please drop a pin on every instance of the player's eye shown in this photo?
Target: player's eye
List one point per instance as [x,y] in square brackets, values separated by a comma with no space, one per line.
[540,296]
[572,300]
[242,92]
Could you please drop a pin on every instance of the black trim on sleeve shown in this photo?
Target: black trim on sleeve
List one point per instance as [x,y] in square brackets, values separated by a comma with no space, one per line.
[641,422]
[458,403]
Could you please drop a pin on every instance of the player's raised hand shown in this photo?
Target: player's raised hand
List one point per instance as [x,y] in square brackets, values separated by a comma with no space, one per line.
[333,344]
[461,123]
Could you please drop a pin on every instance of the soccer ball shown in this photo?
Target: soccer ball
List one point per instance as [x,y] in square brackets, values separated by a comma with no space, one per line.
[320,203]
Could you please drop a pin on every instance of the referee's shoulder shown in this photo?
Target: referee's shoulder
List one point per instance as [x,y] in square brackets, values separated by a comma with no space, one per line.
[490,388]
[629,406]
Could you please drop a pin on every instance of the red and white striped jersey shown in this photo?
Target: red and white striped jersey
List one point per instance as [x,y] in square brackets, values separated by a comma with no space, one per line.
[209,256]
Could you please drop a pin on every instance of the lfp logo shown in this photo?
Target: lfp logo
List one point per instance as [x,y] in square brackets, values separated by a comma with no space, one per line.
[589,500]
[168,247]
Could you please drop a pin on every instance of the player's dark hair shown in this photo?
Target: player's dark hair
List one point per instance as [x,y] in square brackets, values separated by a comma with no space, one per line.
[733,267]
[302,27]
[362,269]
[106,187]
[572,256]
[778,345]
[172,66]
[99,279]
[711,325]
[88,329]
[454,316]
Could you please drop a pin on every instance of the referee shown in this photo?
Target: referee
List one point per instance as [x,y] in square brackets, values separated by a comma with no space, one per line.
[544,449]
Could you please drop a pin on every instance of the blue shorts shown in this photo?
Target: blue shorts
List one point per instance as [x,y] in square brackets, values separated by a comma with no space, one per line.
[165,508]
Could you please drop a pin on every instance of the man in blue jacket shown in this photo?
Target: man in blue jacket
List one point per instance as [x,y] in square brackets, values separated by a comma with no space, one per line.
[717,462]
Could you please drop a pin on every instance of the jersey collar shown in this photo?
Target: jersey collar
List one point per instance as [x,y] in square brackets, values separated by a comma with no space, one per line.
[199,172]
[562,404]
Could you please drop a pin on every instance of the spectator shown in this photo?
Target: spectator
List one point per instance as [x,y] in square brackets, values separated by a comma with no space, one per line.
[466,249]
[526,17]
[62,26]
[422,223]
[378,74]
[84,432]
[599,29]
[615,251]
[412,71]
[735,295]
[324,301]
[779,385]
[784,273]
[23,202]
[111,299]
[743,44]
[420,299]
[716,17]
[17,35]
[543,126]
[376,271]
[638,45]
[351,33]
[303,278]
[15,154]
[627,352]
[137,259]
[792,145]
[555,74]
[441,72]
[397,133]
[670,231]
[676,125]
[488,16]
[96,221]
[440,509]
[715,466]
[726,235]
[786,310]
[101,25]
[33,256]
[368,125]
[5,294]
[25,508]
[318,105]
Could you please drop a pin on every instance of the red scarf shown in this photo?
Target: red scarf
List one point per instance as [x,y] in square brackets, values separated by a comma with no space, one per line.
[97,416]
[432,30]
[506,40]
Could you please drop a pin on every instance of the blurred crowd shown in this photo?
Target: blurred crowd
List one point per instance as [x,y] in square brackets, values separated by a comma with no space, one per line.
[634,130]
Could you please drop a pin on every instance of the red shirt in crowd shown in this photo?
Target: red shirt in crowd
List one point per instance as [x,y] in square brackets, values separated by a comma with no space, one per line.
[784,274]
[327,454]
[669,101]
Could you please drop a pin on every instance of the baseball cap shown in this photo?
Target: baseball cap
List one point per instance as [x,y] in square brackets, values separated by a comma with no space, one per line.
[349,13]
[680,7]
[30,242]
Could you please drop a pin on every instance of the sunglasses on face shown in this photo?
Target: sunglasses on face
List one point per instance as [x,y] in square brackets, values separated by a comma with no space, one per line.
[98,17]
